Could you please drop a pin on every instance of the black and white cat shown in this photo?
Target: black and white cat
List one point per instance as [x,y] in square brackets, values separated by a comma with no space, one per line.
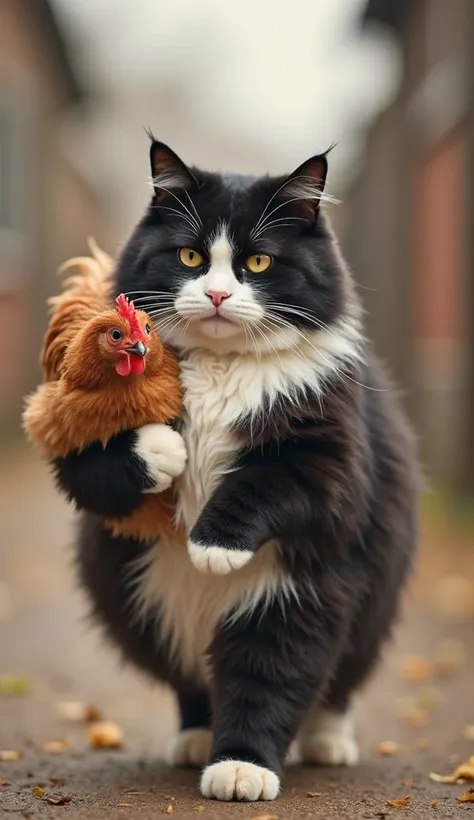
[299,490]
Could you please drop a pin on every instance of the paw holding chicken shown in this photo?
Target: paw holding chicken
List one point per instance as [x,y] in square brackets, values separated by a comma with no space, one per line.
[107,371]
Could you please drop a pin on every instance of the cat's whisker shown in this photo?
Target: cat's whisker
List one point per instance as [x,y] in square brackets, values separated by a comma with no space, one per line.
[193,227]
[199,220]
[280,223]
[262,215]
[343,375]
[193,219]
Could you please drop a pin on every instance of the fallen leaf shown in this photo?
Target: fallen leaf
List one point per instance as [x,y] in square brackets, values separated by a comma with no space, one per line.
[170,810]
[404,801]
[408,782]
[313,794]
[9,755]
[72,711]
[14,685]
[451,656]
[56,747]
[465,770]
[454,597]
[3,783]
[388,748]
[468,732]
[266,817]
[199,809]
[442,778]
[126,805]
[105,735]
[38,791]
[132,791]
[467,797]
[429,698]
[433,803]
[57,782]
[58,800]
[416,668]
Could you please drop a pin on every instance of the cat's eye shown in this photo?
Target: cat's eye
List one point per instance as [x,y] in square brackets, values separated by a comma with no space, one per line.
[190,257]
[115,334]
[147,329]
[258,262]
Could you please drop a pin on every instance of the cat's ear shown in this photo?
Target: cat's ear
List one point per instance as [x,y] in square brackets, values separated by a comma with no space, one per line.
[307,183]
[169,173]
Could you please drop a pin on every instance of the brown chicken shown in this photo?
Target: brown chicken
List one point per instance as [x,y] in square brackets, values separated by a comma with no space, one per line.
[106,371]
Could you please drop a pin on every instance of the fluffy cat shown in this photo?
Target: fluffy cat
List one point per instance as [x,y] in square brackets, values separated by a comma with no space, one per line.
[299,494]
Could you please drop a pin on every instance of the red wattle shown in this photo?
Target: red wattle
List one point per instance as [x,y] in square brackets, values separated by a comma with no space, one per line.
[123,365]
[138,365]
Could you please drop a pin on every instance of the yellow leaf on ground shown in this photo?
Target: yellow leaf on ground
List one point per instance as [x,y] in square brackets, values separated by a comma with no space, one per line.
[467,797]
[8,755]
[387,748]
[105,735]
[396,804]
[56,747]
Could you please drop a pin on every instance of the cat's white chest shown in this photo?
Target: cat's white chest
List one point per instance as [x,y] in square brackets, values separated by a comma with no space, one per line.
[214,391]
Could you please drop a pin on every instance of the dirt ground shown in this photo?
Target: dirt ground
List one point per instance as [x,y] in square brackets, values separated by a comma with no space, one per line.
[44,637]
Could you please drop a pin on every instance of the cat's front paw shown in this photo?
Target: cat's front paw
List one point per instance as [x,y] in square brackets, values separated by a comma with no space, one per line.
[163,452]
[239,780]
[217,560]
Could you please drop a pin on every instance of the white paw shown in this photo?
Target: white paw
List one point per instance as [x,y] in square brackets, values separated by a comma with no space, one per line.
[191,747]
[237,780]
[163,451]
[217,560]
[330,749]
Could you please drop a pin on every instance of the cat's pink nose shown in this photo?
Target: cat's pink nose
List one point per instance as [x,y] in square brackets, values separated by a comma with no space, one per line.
[217,296]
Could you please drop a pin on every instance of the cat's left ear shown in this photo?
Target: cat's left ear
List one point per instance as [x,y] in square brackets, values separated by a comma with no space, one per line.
[170,175]
[307,183]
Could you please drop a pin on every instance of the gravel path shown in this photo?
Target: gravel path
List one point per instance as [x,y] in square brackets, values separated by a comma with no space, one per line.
[45,638]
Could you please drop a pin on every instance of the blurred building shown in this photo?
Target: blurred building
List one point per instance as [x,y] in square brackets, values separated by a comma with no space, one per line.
[409,232]
[47,207]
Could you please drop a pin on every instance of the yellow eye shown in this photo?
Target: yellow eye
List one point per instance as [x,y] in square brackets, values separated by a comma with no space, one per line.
[190,257]
[258,263]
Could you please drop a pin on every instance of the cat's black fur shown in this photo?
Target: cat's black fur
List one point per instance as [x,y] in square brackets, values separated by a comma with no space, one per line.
[333,479]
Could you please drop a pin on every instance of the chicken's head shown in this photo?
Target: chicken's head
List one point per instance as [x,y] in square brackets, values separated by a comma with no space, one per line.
[125,338]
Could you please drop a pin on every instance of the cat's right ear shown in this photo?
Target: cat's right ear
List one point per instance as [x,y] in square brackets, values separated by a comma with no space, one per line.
[169,173]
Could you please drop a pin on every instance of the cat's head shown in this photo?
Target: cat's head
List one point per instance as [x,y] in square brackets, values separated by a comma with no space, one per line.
[233,263]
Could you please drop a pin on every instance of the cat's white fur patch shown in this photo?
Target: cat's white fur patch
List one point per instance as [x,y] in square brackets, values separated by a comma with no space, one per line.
[239,780]
[190,604]
[328,737]
[217,560]
[163,451]
[190,747]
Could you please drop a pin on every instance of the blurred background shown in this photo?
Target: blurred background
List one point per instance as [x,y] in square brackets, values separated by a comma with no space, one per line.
[255,86]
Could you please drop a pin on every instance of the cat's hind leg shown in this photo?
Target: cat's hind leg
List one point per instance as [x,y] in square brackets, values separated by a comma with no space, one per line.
[327,736]
[191,746]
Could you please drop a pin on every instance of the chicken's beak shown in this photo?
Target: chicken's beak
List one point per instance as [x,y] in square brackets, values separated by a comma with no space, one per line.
[138,349]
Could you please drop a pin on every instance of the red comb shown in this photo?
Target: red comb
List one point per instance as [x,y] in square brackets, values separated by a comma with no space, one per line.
[127,310]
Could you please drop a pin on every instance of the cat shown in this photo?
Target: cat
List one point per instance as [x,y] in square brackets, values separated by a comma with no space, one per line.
[300,490]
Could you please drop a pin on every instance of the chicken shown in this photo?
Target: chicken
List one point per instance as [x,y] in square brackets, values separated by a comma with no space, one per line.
[106,370]
[85,294]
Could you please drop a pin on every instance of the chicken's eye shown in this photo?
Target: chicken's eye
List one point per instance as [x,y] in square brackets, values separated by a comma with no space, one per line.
[147,329]
[115,334]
